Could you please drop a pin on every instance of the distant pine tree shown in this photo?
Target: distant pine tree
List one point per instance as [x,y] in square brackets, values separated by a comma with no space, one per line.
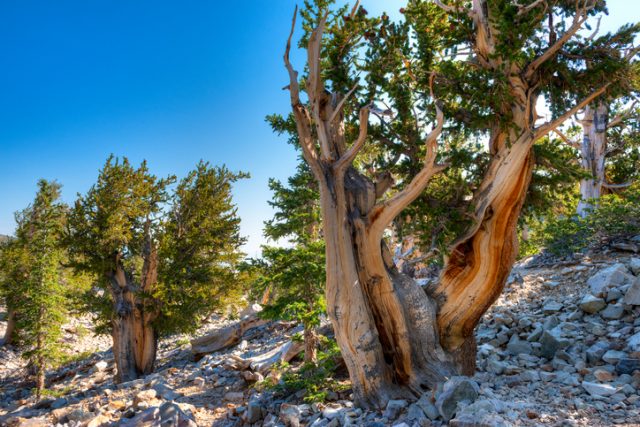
[32,281]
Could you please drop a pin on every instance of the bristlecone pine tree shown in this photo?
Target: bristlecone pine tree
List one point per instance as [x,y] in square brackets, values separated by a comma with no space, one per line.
[484,64]
[606,142]
[33,282]
[162,261]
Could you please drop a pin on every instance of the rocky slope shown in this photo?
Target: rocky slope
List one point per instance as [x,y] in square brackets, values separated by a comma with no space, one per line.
[560,347]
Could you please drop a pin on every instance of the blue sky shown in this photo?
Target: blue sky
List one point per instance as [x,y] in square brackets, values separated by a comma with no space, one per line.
[170,82]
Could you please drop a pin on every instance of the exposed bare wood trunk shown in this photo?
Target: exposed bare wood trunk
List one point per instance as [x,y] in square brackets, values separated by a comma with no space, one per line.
[263,363]
[384,323]
[227,336]
[480,262]
[135,340]
[396,339]
[593,153]
[310,344]
[11,327]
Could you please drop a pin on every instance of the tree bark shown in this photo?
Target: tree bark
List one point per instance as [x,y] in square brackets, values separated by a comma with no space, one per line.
[227,336]
[479,262]
[593,153]
[310,344]
[385,324]
[135,339]
[11,327]
[40,376]
[397,340]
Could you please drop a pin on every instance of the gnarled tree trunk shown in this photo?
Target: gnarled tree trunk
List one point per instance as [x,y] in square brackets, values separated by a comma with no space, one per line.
[135,340]
[11,327]
[385,324]
[480,261]
[592,155]
[396,339]
[310,344]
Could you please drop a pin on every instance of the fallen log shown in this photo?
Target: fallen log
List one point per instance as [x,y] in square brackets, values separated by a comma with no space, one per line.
[262,363]
[228,336]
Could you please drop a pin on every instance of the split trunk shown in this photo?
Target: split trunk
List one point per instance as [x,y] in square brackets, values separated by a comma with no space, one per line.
[135,339]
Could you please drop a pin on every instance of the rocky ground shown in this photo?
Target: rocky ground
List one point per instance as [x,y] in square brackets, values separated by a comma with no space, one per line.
[560,347]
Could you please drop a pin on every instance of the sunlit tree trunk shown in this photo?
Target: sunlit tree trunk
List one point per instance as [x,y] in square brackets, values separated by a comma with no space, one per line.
[385,324]
[135,340]
[11,327]
[479,262]
[592,155]
[396,339]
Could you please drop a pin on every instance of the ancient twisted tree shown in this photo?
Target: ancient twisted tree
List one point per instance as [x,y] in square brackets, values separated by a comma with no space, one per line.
[161,260]
[397,339]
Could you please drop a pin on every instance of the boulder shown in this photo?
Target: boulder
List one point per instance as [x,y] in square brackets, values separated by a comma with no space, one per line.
[610,277]
[101,366]
[80,415]
[632,296]
[417,415]
[394,407]
[590,304]
[517,346]
[60,402]
[551,307]
[428,407]
[598,390]
[234,396]
[169,414]
[627,366]
[254,412]
[634,266]
[455,391]
[612,312]
[290,415]
[28,422]
[613,356]
[144,398]
[634,342]
[99,421]
[551,343]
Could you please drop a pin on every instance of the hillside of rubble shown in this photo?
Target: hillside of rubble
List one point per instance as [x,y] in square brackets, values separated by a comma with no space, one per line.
[561,347]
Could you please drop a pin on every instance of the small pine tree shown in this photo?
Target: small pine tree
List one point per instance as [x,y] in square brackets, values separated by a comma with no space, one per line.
[291,280]
[33,280]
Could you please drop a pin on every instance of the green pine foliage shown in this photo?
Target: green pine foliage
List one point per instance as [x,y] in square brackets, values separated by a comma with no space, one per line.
[194,227]
[295,278]
[199,249]
[616,218]
[291,279]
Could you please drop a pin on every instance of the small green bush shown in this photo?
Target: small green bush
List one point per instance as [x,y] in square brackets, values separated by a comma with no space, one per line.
[616,216]
[317,380]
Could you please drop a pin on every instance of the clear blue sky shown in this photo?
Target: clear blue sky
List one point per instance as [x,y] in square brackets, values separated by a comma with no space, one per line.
[170,82]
